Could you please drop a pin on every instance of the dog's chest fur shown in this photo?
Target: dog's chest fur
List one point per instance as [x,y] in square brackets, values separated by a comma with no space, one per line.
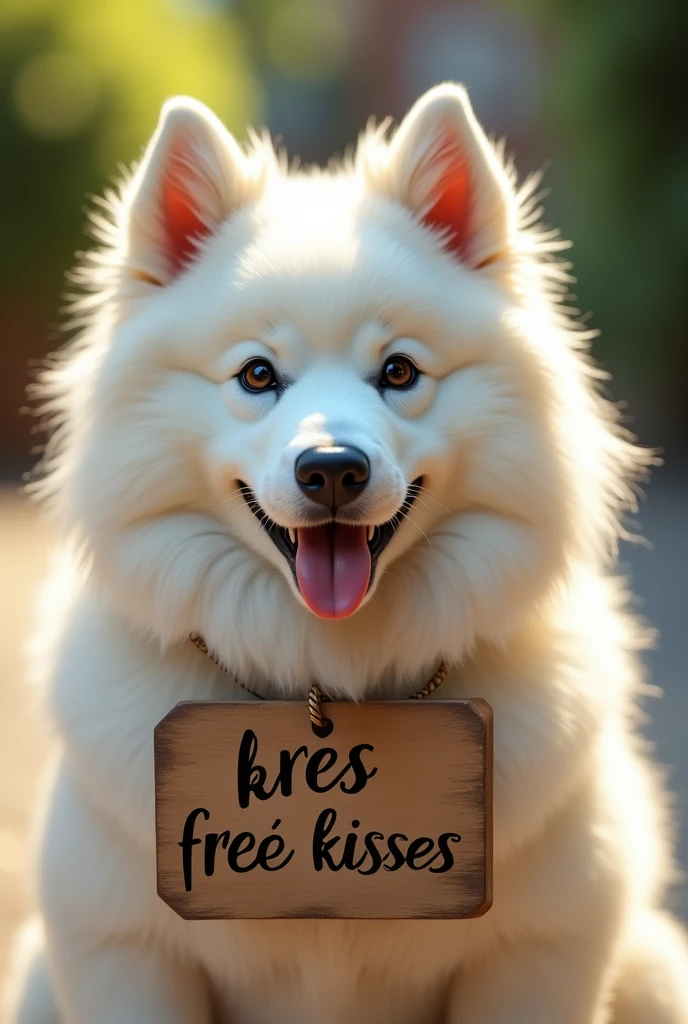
[332,972]
[547,732]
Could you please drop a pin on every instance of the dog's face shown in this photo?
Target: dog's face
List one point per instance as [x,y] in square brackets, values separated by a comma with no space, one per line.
[331,397]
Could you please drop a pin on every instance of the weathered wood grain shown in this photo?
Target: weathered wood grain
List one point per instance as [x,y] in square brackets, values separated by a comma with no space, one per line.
[433,776]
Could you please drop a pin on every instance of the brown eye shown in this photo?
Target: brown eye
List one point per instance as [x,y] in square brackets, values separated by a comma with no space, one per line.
[258,375]
[398,372]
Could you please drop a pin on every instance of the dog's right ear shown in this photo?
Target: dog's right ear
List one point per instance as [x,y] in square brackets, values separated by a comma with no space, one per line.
[192,177]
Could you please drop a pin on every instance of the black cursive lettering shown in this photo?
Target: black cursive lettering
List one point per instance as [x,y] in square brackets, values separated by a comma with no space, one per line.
[188,842]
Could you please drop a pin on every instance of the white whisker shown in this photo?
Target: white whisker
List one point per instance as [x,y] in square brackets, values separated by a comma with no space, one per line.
[414,523]
[232,495]
[234,511]
[419,501]
[426,494]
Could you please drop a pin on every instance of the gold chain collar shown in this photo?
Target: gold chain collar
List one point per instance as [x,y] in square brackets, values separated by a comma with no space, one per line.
[321,725]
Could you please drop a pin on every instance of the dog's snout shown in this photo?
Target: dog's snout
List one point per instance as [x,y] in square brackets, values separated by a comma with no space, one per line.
[332,475]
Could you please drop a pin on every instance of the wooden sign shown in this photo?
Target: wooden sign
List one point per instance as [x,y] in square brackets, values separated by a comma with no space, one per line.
[390,816]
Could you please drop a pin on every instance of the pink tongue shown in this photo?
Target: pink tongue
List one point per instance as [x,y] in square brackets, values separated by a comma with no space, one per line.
[333,568]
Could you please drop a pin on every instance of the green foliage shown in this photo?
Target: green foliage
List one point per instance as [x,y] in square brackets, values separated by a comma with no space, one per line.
[615,115]
[81,84]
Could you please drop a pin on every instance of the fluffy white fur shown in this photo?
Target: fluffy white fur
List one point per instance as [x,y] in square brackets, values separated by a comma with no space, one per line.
[503,568]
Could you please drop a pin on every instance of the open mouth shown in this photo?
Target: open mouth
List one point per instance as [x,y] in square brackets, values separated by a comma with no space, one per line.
[333,564]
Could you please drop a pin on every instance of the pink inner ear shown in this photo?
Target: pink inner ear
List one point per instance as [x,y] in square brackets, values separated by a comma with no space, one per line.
[450,197]
[181,222]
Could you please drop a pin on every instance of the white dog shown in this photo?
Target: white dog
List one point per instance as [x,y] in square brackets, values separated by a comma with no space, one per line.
[337,423]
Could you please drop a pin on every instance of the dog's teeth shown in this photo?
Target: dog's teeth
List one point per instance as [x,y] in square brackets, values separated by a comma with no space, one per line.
[292,535]
[371,532]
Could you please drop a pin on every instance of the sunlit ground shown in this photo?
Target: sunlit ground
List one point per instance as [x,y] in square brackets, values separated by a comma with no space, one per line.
[659,577]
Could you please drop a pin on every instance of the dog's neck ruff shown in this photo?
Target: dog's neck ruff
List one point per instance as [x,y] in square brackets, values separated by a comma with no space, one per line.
[315,695]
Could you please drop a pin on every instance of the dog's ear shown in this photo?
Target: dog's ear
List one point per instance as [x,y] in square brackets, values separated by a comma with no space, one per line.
[192,176]
[442,166]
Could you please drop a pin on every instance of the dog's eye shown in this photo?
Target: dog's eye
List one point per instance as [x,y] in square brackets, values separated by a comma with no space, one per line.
[398,372]
[258,375]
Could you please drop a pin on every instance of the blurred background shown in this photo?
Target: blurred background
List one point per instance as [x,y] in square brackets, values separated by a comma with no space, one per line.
[589,90]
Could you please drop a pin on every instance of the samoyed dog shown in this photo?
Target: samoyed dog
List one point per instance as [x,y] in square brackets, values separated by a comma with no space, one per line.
[339,424]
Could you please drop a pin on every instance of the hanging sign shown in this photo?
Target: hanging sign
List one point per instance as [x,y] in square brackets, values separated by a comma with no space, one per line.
[389,816]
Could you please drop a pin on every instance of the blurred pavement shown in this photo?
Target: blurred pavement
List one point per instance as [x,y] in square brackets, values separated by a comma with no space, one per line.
[658,576]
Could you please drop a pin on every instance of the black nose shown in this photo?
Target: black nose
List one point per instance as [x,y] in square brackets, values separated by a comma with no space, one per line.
[334,475]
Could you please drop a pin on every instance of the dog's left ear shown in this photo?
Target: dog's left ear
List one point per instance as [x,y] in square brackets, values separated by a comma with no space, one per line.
[441,165]
[192,177]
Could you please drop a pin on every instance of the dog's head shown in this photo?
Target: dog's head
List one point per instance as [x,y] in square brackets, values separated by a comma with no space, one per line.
[332,415]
